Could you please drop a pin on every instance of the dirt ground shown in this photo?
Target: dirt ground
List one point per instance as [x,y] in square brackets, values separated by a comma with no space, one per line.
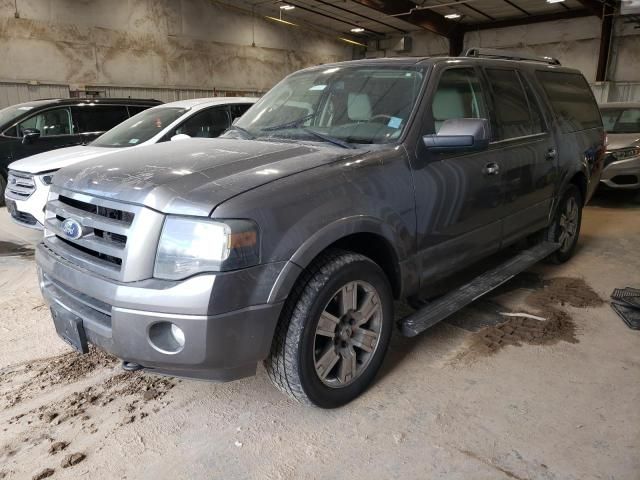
[551,394]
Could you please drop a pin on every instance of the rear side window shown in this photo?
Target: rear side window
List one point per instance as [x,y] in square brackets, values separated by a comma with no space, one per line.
[99,118]
[458,95]
[238,110]
[514,115]
[571,100]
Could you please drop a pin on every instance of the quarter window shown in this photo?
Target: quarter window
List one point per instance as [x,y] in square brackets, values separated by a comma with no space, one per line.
[458,95]
[49,123]
[513,116]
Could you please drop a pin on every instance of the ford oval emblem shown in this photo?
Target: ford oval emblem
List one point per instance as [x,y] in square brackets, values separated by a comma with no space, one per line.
[72,228]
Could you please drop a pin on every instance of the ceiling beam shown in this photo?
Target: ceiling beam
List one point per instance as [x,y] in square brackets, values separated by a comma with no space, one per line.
[357,14]
[341,20]
[594,6]
[514,22]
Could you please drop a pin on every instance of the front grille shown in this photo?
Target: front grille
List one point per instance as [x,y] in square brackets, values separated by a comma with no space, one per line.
[20,185]
[114,237]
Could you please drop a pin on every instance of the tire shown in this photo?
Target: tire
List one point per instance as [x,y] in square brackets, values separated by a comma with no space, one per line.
[303,362]
[3,186]
[568,214]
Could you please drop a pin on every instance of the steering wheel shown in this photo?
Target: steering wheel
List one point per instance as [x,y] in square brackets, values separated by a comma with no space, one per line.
[383,116]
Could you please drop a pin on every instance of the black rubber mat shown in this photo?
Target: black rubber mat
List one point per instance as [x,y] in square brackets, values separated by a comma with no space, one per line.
[629,296]
[630,315]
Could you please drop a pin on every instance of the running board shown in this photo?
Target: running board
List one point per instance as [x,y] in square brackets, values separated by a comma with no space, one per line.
[445,306]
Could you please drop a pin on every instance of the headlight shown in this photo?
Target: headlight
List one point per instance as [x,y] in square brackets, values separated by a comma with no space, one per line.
[194,245]
[624,153]
[46,179]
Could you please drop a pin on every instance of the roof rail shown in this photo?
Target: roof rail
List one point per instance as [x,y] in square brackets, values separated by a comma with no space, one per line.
[507,55]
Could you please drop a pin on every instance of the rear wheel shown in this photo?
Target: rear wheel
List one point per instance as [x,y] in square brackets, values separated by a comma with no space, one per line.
[565,227]
[334,331]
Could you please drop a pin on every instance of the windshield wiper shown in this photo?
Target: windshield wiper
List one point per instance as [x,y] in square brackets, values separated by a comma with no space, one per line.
[249,135]
[327,138]
[292,124]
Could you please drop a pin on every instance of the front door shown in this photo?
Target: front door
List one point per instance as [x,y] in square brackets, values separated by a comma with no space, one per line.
[56,131]
[457,195]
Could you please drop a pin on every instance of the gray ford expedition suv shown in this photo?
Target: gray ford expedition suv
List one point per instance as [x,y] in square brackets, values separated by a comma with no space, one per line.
[345,187]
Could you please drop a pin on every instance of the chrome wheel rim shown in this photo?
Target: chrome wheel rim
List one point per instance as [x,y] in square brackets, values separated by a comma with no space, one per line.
[348,334]
[568,224]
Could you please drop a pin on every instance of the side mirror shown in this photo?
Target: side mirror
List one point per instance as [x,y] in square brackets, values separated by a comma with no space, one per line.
[30,135]
[460,134]
[180,136]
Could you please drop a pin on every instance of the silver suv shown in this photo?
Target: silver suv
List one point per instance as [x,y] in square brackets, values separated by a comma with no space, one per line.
[288,238]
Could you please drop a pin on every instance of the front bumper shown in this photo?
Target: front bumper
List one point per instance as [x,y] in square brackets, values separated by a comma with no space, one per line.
[29,212]
[227,322]
[622,174]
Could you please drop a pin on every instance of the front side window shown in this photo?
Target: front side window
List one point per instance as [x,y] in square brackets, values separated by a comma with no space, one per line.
[237,110]
[98,118]
[49,123]
[139,128]
[510,104]
[621,120]
[571,100]
[459,95]
[355,104]
[208,123]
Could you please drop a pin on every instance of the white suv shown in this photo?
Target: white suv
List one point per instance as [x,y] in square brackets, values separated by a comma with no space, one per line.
[29,178]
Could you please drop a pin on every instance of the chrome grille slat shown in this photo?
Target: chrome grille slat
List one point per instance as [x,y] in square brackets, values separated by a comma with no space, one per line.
[20,185]
[91,220]
[118,240]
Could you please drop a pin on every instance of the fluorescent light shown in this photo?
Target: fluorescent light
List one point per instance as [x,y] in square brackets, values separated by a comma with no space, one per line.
[357,30]
[287,7]
[352,42]
[276,19]
[453,16]
[555,1]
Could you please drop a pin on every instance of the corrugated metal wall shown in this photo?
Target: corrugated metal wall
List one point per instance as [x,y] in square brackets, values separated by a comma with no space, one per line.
[14,92]
[165,94]
[616,91]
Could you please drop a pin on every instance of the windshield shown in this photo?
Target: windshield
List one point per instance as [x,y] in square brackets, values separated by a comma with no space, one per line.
[9,114]
[621,120]
[139,128]
[355,104]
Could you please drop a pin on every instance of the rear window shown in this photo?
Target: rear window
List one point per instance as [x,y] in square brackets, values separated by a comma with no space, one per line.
[571,100]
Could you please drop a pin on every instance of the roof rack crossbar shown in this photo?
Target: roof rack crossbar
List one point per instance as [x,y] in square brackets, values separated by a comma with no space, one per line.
[507,55]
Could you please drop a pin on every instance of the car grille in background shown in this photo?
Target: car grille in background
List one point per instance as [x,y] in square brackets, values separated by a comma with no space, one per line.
[20,185]
[105,231]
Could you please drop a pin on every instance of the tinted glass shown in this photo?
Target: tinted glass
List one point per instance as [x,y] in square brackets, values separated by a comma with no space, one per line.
[97,118]
[358,104]
[459,95]
[621,120]
[238,110]
[49,123]
[9,114]
[139,128]
[208,123]
[134,110]
[510,104]
[537,122]
[571,100]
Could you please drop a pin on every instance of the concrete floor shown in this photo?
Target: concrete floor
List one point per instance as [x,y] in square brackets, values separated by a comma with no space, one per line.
[558,411]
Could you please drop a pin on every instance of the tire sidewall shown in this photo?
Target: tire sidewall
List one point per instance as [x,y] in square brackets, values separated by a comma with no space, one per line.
[319,393]
[554,231]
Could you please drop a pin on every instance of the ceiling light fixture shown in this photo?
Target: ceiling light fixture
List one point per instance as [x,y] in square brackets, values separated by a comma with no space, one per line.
[352,42]
[276,19]
[357,30]
[555,1]
[286,7]
[453,16]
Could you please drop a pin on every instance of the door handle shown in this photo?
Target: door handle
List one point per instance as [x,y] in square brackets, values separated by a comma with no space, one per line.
[491,168]
[551,154]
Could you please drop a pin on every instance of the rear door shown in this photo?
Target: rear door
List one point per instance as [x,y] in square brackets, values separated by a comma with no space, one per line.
[93,120]
[56,130]
[524,150]
[457,198]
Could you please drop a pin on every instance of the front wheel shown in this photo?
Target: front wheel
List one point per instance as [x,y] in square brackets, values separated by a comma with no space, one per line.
[565,227]
[334,331]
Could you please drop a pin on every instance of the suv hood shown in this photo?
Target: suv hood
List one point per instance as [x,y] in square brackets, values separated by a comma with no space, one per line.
[192,177]
[622,140]
[59,158]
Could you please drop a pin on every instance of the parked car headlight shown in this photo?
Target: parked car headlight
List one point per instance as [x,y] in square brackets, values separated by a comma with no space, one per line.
[624,153]
[194,245]
[46,178]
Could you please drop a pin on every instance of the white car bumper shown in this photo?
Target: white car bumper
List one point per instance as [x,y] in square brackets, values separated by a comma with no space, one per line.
[26,197]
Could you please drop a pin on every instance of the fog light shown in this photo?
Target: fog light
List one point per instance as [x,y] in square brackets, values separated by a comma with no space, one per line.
[166,337]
